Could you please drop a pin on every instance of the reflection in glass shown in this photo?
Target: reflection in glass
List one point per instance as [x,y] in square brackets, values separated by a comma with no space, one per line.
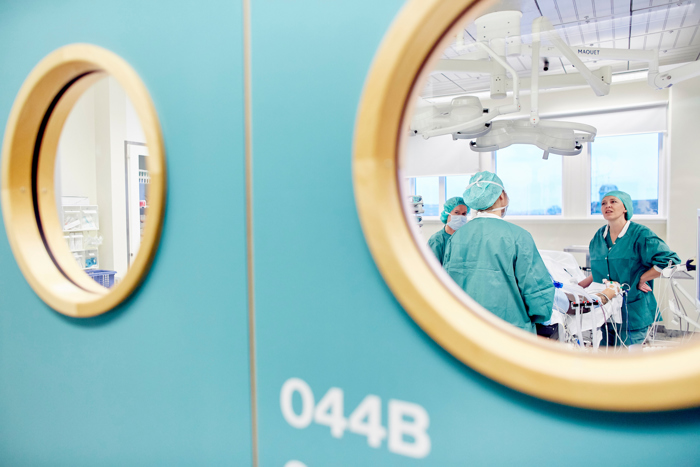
[102,182]
[527,107]
[455,185]
[629,163]
[534,184]
[429,189]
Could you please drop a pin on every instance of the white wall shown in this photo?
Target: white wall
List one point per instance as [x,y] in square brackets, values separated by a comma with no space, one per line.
[111,124]
[684,172]
[134,131]
[92,162]
[76,151]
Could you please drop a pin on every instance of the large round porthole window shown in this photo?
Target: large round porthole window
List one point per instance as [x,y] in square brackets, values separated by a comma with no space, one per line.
[83,180]
[565,120]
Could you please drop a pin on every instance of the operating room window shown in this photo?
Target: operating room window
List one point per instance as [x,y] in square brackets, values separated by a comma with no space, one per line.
[627,163]
[429,189]
[455,185]
[533,184]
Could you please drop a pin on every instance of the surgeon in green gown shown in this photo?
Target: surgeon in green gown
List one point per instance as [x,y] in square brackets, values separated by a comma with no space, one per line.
[496,262]
[454,216]
[628,253]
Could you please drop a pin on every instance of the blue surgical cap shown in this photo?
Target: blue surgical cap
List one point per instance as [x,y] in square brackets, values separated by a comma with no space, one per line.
[450,204]
[481,194]
[626,201]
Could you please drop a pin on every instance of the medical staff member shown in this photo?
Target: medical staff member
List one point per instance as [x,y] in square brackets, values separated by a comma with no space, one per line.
[496,262]
[454,216]
[628,253]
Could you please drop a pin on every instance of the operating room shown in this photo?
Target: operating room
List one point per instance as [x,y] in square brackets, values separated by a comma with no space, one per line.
[602,107]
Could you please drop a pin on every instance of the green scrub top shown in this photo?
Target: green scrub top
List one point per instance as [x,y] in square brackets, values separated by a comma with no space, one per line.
[498,265]
[633,254]
[437,243]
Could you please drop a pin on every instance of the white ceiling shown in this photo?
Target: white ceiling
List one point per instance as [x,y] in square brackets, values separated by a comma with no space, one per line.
[622,24]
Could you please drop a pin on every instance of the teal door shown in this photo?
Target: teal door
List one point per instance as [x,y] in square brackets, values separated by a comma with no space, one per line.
[344,376]
[333,323]
[163,379]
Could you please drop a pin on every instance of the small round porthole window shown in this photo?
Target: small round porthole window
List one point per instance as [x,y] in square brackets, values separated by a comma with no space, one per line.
[474,108]
[83,180]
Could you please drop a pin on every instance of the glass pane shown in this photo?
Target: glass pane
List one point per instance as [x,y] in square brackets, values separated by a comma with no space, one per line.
[455,185]
[429,188]
[628,163]
[532,183]
[103,226]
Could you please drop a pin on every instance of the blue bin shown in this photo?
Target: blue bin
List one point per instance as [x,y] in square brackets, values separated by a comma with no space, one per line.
[103,277]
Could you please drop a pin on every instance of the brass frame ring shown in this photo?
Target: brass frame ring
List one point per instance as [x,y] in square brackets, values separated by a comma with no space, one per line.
[27,175]
[661,380]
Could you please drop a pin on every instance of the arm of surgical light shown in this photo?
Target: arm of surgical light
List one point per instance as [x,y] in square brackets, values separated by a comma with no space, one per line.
[649,56]
[689,298]
[565,80]
[504,109]
[542,24]
[676,75]
[545,82]
[599,53]
[535,81]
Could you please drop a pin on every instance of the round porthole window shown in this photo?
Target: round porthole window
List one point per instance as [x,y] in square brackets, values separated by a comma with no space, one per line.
[83,180]
[459,81]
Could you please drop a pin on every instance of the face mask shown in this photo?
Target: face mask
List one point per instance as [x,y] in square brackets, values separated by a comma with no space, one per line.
[457,222]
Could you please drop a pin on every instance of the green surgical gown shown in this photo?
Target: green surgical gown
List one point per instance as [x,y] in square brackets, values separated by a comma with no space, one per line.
[498,265]
[633,254]
[438,242]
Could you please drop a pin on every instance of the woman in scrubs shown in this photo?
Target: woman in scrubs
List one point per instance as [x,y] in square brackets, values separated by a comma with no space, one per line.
[628,253]
[454,216]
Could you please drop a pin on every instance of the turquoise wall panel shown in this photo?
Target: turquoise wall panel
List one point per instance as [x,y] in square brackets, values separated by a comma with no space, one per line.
[163,380]
[323,312]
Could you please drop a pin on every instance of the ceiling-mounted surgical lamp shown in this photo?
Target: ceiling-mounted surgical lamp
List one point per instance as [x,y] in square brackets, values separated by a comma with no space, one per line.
[497,37]
[563,138]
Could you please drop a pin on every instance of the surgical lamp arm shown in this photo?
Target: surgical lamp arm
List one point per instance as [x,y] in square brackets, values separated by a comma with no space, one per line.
[685,317]
[504,109]
[676,75]
[535,79]
[542,24]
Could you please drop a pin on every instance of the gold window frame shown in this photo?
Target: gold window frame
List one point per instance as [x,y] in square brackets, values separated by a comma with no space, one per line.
[28,195]
[662,380]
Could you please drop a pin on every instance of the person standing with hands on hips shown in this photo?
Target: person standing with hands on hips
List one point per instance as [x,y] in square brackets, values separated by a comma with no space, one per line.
[629,253]
[454,216]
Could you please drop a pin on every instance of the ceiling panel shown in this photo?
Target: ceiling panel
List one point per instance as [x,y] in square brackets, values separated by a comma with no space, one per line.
[652,41]
[584,9]
[685,35]
[602,8]
[549,9]
[667,40]
[672,27]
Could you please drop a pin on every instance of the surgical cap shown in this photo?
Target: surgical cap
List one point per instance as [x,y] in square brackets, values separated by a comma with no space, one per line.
[484,189]
[626,201]
[450,204]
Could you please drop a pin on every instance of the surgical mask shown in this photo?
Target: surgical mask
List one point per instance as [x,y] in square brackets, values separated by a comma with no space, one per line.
[503,208]
[457,222]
